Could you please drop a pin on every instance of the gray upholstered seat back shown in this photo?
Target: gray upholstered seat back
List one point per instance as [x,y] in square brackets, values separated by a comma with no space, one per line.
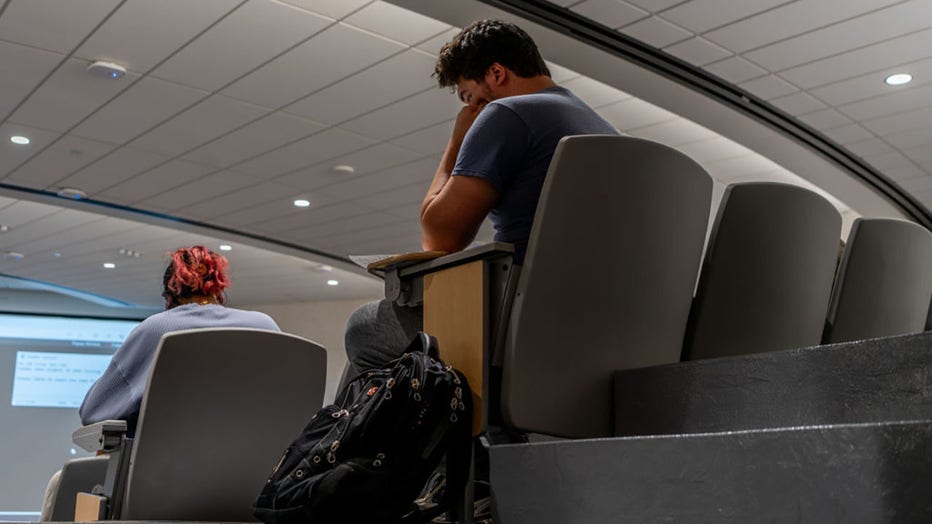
[767,275]
[607,280]
[220,407]
[884,281]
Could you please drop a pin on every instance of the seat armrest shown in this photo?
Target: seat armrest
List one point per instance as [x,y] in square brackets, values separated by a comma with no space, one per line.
[483,252]
[404,284]
[105,435]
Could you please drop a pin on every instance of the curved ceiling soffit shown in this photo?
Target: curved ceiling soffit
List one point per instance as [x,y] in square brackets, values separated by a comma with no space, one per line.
[654,76]
[191,226]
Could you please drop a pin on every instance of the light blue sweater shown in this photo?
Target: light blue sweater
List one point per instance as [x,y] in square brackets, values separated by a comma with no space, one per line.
[117,394]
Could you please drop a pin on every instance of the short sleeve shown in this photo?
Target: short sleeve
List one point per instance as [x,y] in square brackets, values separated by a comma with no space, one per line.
[494,147]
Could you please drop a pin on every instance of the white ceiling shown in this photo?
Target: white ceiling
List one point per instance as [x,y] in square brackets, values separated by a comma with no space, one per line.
[232,109]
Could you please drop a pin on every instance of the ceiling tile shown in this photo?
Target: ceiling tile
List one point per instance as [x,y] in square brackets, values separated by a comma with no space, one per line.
[21,70]
[240,200]
[344,225]
[374,179]
[904,172]
[735,70]
[12,155]
[309,151]
[740,168]
[898,101]
[911,139]
[316,219]
[335,53]
[872,84]
[396,78]
[594,93]
[610,13]
[798,103]
[205,121]
[21,213]
[921,155]
[274,209]
[141,187]
[900,122]
[69,95]
[697,51]
[57,161]
[848,134]
[656,31]
[428,141]
[634,113]
[655,5]
[396,23]
[918,184]
[28,22]
[889,160]
[331,8]
[265,134]
[417,112]
[871,146]
[674,132]
[701,15]
[768,87]
[241,42]
[122,164]
[825,119]
[788,20]
[433,45]
[884,24]
[381,156]
[201,190]
[142,33]
[412,194]
[144,105]
[22,238]
[905,49]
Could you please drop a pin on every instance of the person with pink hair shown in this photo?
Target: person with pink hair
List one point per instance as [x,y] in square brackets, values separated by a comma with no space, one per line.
[193,289]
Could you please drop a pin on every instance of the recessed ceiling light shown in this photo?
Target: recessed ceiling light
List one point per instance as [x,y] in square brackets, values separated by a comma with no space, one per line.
[56,254]
[104,69]
[226,247]
[15,255]
[898,79]
[109,265]
[302,203]
[344,169]
[333,283]
[19,140]
[4,228]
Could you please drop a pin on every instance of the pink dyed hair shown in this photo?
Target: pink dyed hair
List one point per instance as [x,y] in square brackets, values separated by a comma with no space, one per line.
[195,270]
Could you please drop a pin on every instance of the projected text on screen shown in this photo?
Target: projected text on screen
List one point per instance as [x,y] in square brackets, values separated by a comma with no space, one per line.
[55,380]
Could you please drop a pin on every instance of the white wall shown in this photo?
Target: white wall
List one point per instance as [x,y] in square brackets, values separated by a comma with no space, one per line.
[322,322]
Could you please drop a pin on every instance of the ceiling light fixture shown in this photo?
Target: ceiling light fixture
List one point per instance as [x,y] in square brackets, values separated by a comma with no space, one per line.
[333,283]
[129,253]
[302,203]
[15,255]
[109,265]
[898,79]
[102,69]
[72,193]
[4,228]
[19,140]
[226,247]
[344,169]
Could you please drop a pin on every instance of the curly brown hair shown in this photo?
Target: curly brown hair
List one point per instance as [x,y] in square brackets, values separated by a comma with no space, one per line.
[195,271]
[482,43]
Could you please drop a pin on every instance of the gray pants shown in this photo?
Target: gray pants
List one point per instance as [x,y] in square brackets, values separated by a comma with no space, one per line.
[379,332]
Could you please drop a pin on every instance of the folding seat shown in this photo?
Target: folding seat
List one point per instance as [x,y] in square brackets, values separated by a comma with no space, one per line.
[884,281]
[220,406]
[767,274]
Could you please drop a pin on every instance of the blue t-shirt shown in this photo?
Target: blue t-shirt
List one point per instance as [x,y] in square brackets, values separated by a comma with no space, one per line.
[510,145]
[117,394]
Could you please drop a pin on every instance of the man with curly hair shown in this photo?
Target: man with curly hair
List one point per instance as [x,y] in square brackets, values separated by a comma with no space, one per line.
[494,165]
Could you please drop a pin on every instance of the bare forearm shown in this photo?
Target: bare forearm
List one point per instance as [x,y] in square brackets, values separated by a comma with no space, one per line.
[442,176]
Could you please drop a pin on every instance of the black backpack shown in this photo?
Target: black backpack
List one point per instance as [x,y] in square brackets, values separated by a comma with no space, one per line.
[367,457]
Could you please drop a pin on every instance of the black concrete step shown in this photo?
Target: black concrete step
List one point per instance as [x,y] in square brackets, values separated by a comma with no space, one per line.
[865,473]
[867,381]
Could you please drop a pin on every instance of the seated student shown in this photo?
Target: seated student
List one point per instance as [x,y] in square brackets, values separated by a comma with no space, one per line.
[513,117]
[194,284]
